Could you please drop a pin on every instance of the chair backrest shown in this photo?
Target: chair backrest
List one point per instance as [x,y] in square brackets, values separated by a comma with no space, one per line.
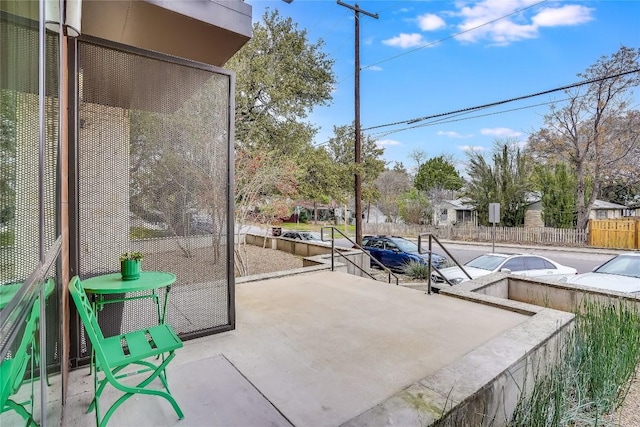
[87,315]
[20,360]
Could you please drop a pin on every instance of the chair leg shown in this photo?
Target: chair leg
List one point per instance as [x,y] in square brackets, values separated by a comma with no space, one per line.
[22,411]
[157,371]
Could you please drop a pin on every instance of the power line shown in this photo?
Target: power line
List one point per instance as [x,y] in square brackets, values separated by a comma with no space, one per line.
[493,104]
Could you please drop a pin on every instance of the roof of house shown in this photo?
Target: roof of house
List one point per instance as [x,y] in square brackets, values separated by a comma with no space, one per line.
[461,204]
[601,204]
[535,197]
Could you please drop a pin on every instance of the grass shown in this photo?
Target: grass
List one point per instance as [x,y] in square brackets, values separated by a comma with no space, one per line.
[593,373]
[351,229]
[145,233]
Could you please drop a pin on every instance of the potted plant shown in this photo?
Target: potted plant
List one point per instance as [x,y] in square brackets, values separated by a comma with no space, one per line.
[130,263]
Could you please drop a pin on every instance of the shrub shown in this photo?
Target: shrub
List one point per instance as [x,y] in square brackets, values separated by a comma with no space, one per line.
[416,270]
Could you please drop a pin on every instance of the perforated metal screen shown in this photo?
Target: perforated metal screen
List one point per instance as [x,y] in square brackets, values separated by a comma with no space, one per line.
[154,177]
[21,196]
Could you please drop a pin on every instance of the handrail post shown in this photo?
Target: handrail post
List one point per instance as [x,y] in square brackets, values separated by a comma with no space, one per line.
[429,269]
[333,249]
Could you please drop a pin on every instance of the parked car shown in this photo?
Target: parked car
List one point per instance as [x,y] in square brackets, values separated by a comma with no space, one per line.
[621,274]
[527,265]
[395,252]
[306,236]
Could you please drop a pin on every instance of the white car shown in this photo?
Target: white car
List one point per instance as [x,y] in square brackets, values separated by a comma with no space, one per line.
[621,273]
[527,265]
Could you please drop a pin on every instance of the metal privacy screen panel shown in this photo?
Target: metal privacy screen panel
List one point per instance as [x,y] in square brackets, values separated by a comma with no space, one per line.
[153,176]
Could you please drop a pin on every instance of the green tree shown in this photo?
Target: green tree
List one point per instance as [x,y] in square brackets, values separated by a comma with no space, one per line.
[8,122]
[556,184]
[414,207]
[594,131]
[280,78]
[319,177]
[341,149]
[438,173]
[505,182]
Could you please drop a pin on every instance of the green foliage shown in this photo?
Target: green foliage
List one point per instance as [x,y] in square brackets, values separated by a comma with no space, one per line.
[416,270]
[280,78]
[505,182]
[595,130]
[137,233]
[438,173]
[319,176]
[7,238]
[592,371]
[556,185]
[341,149]
[414,207]
[135,256]
[8,138]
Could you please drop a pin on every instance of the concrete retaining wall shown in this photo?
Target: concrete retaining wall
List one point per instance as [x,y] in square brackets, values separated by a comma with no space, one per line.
[483,387]
[315,254]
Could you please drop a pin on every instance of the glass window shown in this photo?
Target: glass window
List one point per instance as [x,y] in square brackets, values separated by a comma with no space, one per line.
[602,214]
[515,264]
[534,263]
[486,262]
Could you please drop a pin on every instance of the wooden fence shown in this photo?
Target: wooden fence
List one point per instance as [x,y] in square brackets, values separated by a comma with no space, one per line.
[623,233]
[520,235]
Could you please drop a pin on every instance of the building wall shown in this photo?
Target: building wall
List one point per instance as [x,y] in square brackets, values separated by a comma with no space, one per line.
[100,243]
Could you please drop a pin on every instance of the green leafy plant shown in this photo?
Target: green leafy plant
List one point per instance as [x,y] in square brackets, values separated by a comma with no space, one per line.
[135,256]
[416,270]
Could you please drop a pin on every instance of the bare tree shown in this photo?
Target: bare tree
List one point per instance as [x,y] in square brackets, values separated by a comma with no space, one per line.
[392,184]
[595,130]
[263,194]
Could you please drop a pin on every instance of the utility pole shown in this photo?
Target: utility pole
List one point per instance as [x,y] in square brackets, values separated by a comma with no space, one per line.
[358,142]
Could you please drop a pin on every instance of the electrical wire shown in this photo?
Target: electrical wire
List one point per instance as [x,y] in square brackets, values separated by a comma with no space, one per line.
[505,101]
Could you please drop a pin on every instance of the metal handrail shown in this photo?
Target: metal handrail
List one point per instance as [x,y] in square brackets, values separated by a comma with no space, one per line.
[432,237]
[334,251]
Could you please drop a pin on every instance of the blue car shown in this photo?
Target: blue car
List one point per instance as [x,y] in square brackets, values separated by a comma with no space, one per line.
[394,252]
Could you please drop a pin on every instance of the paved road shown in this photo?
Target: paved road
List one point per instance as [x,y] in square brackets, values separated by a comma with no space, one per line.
[582,259]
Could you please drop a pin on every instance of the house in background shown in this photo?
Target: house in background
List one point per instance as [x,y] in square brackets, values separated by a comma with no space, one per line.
[599,210]
[607,210]
[455,212]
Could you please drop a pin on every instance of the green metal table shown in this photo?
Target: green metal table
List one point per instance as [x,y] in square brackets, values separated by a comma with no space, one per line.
[7,292]
[149,281]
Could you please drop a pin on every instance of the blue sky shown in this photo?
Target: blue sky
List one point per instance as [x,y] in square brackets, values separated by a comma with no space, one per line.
[423,58]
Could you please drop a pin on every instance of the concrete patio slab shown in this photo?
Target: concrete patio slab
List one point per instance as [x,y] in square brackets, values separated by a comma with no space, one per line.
[320,348]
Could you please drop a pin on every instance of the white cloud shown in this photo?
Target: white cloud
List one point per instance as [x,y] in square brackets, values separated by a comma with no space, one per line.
[471,148]
[565,15]
[405,40]
[501,132]
[387,143]
[452,134]
[477,20]
[430,22]
[374,68]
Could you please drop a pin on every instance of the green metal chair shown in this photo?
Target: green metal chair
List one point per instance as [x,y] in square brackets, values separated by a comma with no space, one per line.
[114,354]
[12,371]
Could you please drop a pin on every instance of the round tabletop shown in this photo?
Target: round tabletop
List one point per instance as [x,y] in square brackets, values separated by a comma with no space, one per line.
[113,283]
[7,292]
